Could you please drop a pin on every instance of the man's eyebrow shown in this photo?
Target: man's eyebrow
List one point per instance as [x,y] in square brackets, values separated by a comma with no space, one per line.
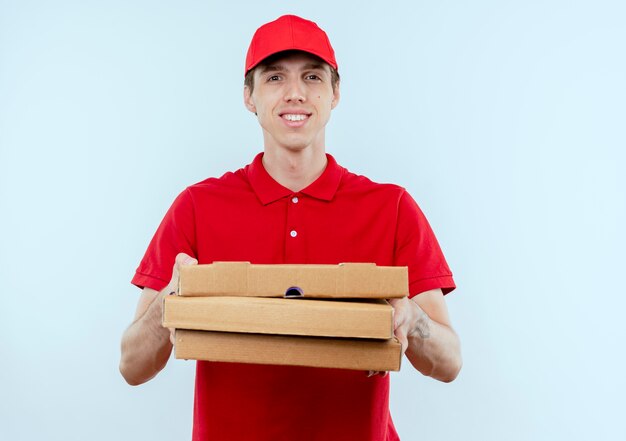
[314,66]
[280,67]
[272,68]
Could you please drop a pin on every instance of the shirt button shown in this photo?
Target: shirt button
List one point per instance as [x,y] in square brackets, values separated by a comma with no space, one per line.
[293,233]
[294,199]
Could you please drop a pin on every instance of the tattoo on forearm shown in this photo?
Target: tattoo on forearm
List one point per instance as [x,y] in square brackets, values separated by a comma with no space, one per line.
[423,326]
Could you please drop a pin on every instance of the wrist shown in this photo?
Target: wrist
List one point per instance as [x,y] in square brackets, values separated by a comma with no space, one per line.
[156,315]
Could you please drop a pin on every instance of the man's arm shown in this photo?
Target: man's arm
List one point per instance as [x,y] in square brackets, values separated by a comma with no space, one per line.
[146,344]
[423,327]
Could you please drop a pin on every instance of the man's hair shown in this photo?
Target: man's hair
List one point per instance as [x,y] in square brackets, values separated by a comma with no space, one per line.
[249,78]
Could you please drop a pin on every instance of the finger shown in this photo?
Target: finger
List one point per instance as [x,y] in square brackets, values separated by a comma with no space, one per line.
[185,259]
[395,313]
[181,259]
[173,336]
[399,311]
[396,302]
[402,338]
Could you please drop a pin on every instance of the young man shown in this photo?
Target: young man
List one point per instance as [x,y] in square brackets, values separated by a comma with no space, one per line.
[294,204]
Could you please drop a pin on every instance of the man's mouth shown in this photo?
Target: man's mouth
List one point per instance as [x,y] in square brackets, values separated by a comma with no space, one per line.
[294,116]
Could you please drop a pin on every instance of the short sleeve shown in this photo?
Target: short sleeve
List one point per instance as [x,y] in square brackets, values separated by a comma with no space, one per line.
[176,234]
[416,247]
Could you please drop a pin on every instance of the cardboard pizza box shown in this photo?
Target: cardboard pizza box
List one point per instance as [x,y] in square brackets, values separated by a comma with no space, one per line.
[321,352]
[324,318]
[346,280]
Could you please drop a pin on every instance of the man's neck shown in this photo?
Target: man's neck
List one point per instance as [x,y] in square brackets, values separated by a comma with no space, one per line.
[295,170]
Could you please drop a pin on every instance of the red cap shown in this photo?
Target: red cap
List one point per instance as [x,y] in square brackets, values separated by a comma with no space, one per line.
[289,32]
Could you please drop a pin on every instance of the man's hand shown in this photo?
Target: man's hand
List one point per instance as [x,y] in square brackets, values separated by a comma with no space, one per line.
[146,344]
[181,260]
[409,319]
[172,287]
[423,328]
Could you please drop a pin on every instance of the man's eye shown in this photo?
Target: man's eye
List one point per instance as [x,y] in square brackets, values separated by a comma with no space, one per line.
[273,78]
[313,77]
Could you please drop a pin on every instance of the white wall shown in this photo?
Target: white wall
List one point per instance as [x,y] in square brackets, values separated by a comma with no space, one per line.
[505,120]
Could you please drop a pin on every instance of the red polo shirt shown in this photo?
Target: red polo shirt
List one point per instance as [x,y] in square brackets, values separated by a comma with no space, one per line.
[341,217]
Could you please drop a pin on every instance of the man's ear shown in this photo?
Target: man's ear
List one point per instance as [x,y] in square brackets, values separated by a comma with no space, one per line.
[336,96]
[247,100]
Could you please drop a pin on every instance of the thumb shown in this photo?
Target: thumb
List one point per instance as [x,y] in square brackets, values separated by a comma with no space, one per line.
[181,259]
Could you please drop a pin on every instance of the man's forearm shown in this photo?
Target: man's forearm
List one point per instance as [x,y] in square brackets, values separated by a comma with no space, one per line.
[146,345]
[434,349]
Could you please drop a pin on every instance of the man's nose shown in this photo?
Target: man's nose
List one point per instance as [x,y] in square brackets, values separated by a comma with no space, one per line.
[295,91]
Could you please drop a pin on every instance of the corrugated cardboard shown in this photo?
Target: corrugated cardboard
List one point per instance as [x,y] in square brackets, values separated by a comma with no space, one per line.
[326,318]
[346,280]
[376,355]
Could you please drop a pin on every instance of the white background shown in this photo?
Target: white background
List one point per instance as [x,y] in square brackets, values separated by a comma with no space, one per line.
[504,119]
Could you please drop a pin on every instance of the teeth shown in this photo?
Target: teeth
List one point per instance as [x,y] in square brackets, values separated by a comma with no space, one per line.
[294,117]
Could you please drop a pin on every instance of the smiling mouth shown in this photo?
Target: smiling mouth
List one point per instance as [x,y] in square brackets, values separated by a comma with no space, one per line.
[294,116]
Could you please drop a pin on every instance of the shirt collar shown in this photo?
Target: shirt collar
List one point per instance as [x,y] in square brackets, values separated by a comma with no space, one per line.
[268,190]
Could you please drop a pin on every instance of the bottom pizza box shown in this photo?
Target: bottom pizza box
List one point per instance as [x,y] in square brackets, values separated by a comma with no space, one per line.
[323,352]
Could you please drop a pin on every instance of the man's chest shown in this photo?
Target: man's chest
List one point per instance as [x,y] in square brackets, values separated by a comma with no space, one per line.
[297,229]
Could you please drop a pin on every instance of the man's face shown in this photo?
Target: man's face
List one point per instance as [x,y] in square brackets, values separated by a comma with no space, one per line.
[293,98]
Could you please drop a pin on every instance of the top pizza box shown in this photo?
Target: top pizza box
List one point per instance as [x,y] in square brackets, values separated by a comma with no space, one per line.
[345,280]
